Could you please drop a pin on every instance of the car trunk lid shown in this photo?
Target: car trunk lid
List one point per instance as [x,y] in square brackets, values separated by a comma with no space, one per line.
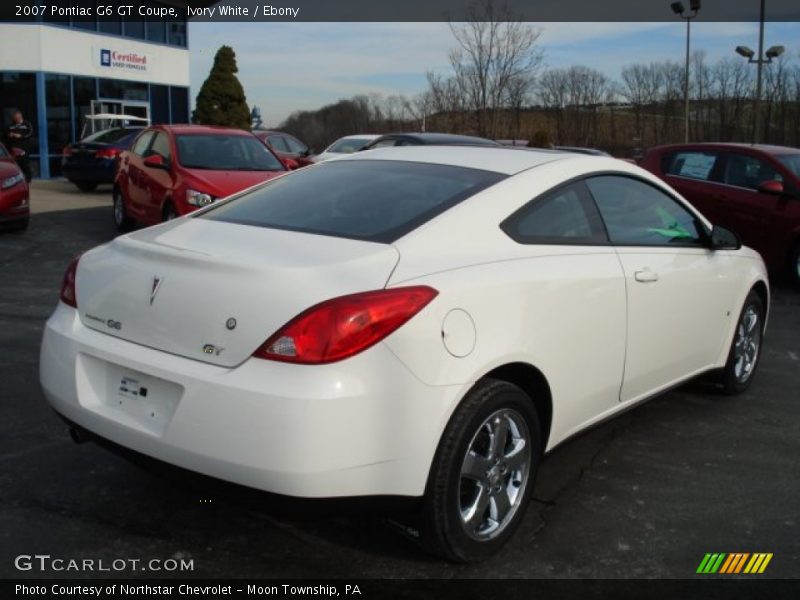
[215,291]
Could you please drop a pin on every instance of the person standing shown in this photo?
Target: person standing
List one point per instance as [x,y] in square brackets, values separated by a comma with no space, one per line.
[18,136]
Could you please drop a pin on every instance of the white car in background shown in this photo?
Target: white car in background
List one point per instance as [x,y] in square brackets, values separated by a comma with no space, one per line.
[345,145]
[419,321]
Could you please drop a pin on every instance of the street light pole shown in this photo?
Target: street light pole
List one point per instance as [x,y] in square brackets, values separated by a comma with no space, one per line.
[772,52]
[679,9]
[759,77]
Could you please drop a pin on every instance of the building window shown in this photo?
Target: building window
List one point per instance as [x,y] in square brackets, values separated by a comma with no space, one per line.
[135,29]
[84,90]
[18,92]
[59,117]
[111,27]
[176,31]
[122,90]
[179,101]
[156,30]
[159,104]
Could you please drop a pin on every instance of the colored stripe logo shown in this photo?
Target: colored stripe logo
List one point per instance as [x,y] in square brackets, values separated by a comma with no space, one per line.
[734,563]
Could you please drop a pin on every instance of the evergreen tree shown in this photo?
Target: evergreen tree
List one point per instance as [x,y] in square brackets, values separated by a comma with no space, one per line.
[221,100]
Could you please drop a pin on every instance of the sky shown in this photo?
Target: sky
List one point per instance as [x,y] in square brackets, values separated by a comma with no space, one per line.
[286,67]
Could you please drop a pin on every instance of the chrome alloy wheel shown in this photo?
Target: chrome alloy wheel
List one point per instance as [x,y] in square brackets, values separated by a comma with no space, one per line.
[747,344]
[494,473]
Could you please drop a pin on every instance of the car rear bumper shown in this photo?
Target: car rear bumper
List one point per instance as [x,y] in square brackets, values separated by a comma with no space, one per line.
[101,171]
[365,426]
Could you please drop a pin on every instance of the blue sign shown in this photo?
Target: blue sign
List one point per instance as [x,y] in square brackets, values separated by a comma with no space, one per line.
[105,58]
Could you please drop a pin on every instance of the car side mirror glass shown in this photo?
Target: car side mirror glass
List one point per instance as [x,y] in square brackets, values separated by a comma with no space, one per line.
[290,163]
[155,161]
[773,187]
[724,239]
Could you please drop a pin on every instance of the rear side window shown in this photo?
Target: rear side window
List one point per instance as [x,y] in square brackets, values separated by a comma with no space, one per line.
[566,215]
[372,200]
[110,136]
[636,213]
[691,164]
[277,142]
[743,170]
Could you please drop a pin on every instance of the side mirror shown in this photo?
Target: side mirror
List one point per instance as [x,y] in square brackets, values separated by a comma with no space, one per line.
[724,239]
[290,163]
[155,161]
[774,187]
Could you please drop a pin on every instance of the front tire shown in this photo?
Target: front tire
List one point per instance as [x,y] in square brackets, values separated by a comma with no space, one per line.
[169,213]
[482,476]
[745,352]
[121,219]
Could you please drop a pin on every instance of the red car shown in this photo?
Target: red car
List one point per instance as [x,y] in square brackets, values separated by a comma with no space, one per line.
[286,146]
[753,190]
[171,170]
[15,206]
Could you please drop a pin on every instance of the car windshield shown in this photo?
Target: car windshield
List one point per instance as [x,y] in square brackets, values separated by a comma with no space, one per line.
[371,200]
[111,136]
[791,162]
[348,145]
[221,152]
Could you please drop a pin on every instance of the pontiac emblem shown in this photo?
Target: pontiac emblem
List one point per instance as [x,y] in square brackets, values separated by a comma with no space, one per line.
[154,289]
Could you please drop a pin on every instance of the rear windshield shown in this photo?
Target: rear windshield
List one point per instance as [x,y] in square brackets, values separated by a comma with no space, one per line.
[349,145]
[372,200]
[225,152]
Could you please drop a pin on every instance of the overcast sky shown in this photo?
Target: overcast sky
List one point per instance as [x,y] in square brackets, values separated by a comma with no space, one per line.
[293,66]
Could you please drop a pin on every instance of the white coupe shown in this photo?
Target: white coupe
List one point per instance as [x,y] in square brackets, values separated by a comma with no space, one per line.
[422,322]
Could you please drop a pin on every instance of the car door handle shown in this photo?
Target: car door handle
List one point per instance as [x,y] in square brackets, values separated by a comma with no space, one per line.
[645,276]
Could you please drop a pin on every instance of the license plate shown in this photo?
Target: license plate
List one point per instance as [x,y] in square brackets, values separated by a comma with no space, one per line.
[131,388]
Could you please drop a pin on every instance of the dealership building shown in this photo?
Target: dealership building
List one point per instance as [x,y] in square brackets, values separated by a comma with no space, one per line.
[56,73]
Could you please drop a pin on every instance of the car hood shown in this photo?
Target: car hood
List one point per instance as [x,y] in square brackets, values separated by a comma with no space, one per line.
[224,183]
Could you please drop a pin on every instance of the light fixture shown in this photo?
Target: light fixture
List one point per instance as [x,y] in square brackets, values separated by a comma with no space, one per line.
[775,51]
[695,5]
[677,8]
[745,51]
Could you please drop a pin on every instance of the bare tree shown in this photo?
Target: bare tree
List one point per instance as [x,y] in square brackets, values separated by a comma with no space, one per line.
[495,48]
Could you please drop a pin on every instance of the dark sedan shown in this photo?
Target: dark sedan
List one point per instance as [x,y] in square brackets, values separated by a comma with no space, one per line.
[93,160]
[428,139]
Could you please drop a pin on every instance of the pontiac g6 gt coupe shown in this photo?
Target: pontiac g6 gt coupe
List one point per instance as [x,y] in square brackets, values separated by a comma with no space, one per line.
[421,322]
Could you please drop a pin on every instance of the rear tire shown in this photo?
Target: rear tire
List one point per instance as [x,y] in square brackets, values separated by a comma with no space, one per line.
[745,352]
[482,475]
[86,187]
[121,219]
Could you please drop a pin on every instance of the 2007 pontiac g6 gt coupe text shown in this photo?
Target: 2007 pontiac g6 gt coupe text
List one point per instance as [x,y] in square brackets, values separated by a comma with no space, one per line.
[420,322]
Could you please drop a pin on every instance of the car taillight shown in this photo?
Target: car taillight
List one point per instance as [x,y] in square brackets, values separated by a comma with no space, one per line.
[68,292]
[339,328]
[67,151]
[107,153]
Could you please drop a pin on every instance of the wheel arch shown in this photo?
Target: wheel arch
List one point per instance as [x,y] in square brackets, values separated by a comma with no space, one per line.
[533,382]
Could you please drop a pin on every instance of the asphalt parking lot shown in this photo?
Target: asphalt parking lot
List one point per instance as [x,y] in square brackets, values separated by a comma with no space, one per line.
[644,495]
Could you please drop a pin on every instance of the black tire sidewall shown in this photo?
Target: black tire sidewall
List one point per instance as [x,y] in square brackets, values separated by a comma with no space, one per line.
[443,522]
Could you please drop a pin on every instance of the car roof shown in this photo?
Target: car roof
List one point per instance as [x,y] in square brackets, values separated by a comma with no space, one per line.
[765,148]
[361,136]
[500,160]
[443,138]
[185,128]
